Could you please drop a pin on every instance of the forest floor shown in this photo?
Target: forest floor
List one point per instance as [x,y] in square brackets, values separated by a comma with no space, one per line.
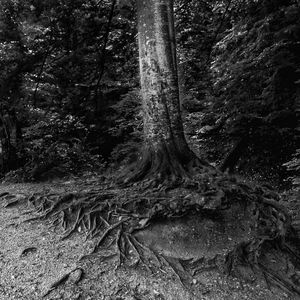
[36,264]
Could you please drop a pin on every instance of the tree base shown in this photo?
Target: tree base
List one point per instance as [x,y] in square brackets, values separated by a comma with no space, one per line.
[165,165]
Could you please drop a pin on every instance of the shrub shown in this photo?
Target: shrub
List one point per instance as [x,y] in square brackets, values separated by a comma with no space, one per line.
[53,147]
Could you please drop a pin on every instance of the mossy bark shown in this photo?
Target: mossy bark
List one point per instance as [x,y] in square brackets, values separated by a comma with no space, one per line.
[165,154]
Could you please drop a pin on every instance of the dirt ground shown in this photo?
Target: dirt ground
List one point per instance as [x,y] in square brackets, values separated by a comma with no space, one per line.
[33,258]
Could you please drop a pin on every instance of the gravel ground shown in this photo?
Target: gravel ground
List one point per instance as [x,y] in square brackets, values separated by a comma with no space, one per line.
[33,259]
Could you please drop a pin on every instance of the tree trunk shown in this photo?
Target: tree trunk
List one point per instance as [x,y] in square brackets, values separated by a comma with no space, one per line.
[10,137]
[166,154]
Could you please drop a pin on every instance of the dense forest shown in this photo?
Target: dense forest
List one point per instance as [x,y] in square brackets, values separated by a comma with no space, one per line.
[85,91]
[70,89]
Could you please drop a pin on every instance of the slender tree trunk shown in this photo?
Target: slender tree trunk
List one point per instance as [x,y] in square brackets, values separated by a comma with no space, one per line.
[166,154]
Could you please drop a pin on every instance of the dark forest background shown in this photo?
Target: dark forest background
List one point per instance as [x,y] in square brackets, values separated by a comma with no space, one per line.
[69,87]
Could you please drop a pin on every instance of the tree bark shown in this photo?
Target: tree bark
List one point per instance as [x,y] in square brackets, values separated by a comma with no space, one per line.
[10,137]
[166,154]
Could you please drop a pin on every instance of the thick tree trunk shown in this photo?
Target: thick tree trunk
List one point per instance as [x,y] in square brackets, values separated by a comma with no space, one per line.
[166,154]
[158,71]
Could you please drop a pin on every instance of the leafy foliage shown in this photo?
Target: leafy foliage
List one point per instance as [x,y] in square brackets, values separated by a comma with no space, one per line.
[64,58]
[254,89]
[128,127]
[294,166]
[53,147]
[238,66]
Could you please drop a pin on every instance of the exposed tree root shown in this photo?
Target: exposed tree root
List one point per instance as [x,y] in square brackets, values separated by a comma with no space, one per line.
[119,248]
[164,165]
[137,258]
[284,283]
[63,278]
[173,269]
[58,282]
[12,204]
[111,216]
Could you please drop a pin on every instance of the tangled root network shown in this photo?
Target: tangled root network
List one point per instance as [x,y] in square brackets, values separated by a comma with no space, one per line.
[111,215]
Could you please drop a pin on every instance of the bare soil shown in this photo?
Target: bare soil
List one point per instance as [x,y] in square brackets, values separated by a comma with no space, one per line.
[33,259]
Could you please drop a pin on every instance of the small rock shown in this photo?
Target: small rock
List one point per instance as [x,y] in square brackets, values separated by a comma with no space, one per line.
[76,275]
[27,251]
[77,297]
[195,281]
